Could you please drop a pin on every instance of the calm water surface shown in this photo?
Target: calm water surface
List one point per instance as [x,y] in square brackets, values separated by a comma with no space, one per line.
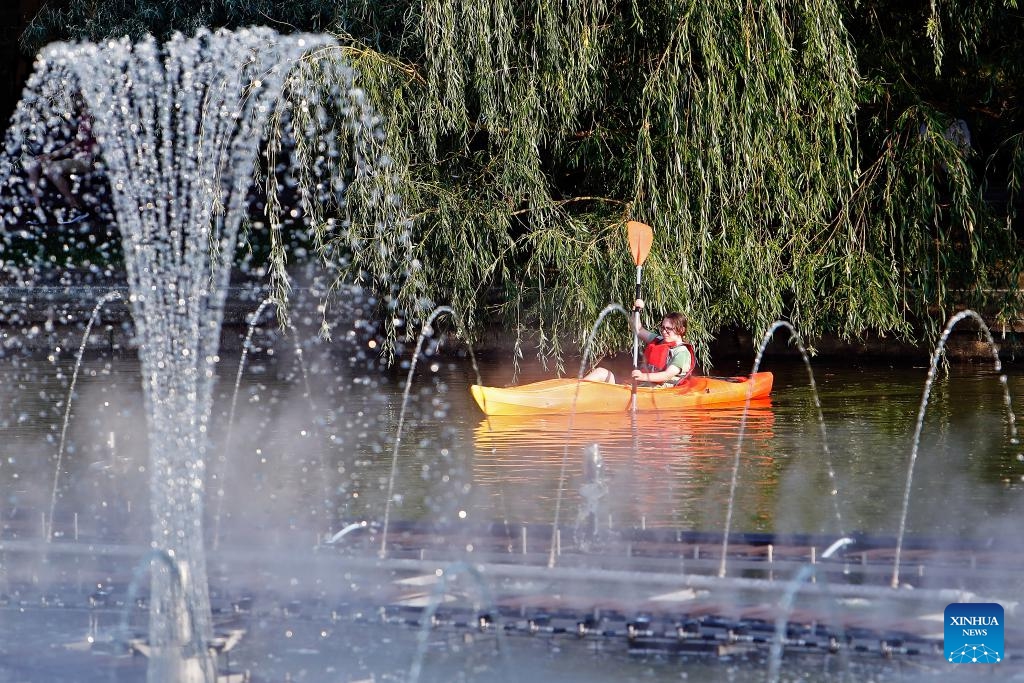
[675,470]
[298,462]
[311,448]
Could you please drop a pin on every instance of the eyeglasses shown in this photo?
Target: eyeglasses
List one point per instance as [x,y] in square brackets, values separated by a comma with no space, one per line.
[667,328]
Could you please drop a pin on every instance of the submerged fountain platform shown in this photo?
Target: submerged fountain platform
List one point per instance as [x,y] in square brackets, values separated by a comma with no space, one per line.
[637,593]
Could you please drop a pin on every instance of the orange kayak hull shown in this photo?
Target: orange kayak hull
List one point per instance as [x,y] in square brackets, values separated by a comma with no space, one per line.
[570,395]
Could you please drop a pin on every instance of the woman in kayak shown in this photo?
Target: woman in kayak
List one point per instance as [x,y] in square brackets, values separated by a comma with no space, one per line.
[668,358]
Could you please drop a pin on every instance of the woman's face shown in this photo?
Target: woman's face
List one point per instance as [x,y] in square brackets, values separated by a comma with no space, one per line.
[669,331]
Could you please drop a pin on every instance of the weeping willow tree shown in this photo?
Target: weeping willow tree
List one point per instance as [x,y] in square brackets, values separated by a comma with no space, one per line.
[528,133]
[939,158]
[801,160]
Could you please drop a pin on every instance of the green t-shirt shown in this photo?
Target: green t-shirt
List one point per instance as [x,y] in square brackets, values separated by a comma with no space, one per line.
[681,357]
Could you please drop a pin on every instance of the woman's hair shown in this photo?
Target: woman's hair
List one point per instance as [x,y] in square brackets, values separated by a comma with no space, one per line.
[678,321]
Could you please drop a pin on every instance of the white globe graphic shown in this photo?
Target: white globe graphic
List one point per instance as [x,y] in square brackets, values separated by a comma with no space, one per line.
[974,654]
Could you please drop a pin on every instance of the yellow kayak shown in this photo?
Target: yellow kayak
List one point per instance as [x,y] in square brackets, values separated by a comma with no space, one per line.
[570,395]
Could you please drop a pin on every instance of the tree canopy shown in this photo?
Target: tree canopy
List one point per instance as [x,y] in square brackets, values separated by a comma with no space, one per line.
[853,166]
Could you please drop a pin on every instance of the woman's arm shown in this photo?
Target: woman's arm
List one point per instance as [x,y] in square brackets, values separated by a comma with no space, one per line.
[666,375]
[638,327]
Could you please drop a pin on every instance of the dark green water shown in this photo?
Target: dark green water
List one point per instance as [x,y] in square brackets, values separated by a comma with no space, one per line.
[324,459]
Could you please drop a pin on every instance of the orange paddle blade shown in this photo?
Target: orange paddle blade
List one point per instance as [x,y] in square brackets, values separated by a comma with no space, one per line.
[640,238]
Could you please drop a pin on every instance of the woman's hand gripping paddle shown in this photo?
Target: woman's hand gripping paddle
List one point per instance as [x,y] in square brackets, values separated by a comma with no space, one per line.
[640,237]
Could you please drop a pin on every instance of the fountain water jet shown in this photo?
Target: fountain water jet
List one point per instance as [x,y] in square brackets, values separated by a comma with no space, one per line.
[246,347]
[106,298]
[592,491]
[932,368]
[178,127]
[553,551]
[425,331]
[192,650]
[225,449]
[833,493]
[786,607]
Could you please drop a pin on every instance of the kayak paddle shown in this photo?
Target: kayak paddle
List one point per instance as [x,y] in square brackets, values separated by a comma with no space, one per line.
[640,237]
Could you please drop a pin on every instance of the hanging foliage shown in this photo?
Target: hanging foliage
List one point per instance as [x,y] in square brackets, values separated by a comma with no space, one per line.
[852,166]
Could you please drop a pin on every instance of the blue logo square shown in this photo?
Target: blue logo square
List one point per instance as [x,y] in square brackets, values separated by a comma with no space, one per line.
[973,633]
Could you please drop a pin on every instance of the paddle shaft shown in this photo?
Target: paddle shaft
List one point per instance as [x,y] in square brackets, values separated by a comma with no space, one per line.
[636,323]
[636,338]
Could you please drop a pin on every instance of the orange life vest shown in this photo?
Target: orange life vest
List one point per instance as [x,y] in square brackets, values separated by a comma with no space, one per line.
[658,352]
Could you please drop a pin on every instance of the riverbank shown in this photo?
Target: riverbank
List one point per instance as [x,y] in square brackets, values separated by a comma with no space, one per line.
[47,317]
[44,318]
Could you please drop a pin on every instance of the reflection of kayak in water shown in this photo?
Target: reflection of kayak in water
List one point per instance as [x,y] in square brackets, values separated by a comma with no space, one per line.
[573,396]
[660,469]
[556,430]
